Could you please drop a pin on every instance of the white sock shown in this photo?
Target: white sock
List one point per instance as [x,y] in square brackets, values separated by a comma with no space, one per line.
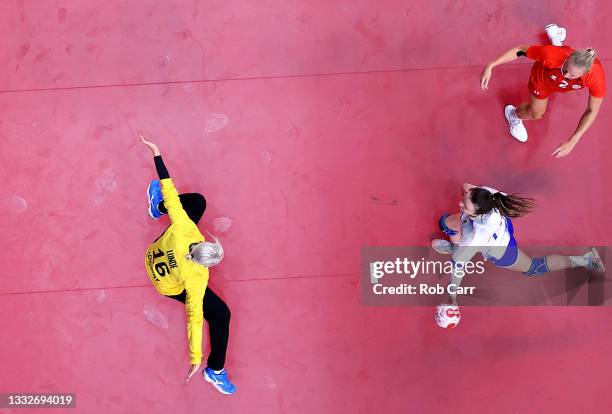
[580,260]
[555,38]
[218,372]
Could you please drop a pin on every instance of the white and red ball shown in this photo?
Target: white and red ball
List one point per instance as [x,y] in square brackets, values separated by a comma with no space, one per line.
[447,316]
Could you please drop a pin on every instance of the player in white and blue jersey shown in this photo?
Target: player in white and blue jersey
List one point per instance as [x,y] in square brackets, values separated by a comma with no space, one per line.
[485,226]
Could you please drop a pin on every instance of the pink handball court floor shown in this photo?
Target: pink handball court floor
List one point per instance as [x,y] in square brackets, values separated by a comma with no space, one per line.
[313,128]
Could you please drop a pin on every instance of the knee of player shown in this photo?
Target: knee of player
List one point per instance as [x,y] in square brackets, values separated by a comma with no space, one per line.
[225,314]
[538,267]
[201,201]
[446,229]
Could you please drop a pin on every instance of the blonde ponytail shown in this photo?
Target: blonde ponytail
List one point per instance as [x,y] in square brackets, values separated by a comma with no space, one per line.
[206,253]
[584,58]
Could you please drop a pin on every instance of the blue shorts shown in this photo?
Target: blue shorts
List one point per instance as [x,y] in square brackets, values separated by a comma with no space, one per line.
[510,256]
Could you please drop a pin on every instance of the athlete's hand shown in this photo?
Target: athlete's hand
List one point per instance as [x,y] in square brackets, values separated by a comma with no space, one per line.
[485,76]
[194,368]
[154,149]
[564,149]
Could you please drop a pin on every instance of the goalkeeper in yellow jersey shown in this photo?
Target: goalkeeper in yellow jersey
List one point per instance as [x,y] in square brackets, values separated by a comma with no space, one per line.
[178,262]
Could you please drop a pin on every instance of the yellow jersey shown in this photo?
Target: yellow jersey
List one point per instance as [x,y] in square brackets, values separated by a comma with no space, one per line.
[171,272]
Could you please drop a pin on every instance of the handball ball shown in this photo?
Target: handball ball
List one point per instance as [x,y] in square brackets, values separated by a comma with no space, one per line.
[447,316]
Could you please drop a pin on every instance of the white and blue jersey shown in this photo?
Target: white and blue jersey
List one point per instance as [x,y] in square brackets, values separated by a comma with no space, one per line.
[490,234]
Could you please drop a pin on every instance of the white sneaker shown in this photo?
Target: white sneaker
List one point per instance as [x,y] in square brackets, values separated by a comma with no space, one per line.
[443,246]
[517,129]
[595,264]
[556,34]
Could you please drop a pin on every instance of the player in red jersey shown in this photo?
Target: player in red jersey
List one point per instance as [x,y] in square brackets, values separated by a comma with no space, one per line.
[557,68]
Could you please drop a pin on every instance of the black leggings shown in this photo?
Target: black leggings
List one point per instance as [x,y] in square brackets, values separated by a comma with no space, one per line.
[216,312]
[194,205]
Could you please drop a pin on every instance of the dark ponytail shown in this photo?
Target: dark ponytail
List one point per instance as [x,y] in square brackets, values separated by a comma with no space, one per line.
[508,205]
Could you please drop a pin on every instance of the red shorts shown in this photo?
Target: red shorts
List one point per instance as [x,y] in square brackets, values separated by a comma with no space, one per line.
[538,89]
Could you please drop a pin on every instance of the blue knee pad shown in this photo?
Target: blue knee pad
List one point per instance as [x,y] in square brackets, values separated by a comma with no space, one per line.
[538,267]
[444,227]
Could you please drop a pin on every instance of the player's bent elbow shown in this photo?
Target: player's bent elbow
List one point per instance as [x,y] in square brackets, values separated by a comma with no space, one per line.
[522,48]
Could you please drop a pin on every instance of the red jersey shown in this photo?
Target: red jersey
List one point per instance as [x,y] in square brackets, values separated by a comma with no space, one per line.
[546,76]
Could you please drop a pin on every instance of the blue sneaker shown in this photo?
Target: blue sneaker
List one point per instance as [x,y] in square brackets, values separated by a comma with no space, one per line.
[155,197]
[220,381]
